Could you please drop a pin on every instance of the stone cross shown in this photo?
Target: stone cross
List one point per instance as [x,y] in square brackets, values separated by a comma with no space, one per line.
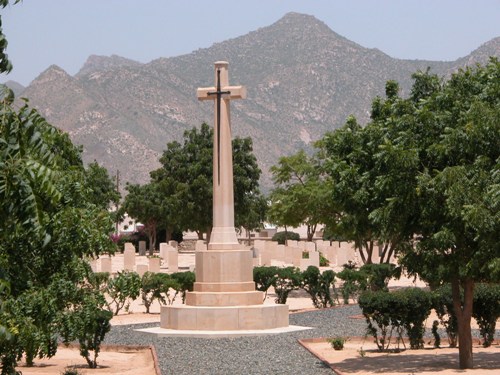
[223,233]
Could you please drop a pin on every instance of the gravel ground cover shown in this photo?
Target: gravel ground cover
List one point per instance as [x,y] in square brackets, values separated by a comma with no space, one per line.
[269,354]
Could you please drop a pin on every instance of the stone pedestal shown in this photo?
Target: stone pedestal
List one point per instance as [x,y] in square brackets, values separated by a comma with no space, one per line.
[224,296]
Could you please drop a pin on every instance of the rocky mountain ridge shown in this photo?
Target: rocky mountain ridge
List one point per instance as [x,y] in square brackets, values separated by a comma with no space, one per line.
[302,78]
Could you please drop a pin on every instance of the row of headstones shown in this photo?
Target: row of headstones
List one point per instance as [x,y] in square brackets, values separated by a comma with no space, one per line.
[272,254]
[168,254]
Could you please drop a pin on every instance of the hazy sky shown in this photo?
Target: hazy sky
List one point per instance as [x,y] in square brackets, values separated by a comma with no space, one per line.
[66,32]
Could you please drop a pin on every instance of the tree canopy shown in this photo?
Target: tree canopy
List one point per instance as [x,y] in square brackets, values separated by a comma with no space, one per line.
[182,187]
[301,193]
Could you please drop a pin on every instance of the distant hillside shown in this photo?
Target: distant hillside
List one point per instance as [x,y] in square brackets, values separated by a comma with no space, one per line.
[16,87]
[302,79]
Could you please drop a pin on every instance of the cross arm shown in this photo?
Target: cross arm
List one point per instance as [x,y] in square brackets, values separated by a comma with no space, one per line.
[236,92]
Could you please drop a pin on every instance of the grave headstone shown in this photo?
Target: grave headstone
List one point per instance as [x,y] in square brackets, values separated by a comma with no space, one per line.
[141,269]
[163,250]
[142,248]
[129,257]
[154,264]
[106,264]
[173,260]
[200,245]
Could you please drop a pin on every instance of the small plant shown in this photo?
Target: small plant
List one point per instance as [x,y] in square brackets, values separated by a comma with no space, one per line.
[435,333]
[323,261]
[338,342]
[264,277]
[125,286]
[318,286]
[362,352]
[287,279]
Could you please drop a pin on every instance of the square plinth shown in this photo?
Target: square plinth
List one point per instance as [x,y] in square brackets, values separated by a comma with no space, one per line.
[224,318]
[224,266]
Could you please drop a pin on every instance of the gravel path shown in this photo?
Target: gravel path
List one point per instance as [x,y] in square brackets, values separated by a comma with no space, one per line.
[269,354]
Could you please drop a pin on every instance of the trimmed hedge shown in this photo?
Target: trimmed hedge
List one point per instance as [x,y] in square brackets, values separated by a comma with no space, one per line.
[281,237]
[388,312]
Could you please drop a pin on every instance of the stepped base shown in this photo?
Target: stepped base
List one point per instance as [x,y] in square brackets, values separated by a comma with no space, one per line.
[224,318]
[224,299]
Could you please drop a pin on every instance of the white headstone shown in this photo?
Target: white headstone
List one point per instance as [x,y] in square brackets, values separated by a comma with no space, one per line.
[163,250]
[142,269]
[200,245]
[129,257]
[154,264]
[173,260]
[106,264]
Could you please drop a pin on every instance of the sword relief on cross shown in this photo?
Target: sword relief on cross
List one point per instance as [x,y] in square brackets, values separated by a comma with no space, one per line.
[221,93]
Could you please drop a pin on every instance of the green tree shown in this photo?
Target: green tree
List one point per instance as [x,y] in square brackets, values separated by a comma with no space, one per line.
[186,177]
[349,161]
[103,191]
[448,139]
[49,225]
[301,194]
[145,203]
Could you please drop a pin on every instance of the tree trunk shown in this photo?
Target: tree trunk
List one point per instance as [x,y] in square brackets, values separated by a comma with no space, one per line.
[200,235]
[311,229]
[464,314]
[209,233]
[369,251]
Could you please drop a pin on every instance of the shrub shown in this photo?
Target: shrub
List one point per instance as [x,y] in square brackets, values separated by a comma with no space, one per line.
[99,280]
[287,279]
[185,282]
[88,323]
[378,310]
[264,277]
[281,237]
[442,302]
[169,288]
[354,282]
[338,342]
[486,310]
[385,312]
[323,261]
[378,275]
[317,285]
[34,314]
[150,289]
[415,306]
[120,289]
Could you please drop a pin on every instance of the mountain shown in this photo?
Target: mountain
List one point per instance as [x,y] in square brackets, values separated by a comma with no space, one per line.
[302,79]
[16,87]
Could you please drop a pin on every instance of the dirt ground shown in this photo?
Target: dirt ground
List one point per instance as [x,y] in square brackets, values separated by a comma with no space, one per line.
[111,360]
[360,356]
